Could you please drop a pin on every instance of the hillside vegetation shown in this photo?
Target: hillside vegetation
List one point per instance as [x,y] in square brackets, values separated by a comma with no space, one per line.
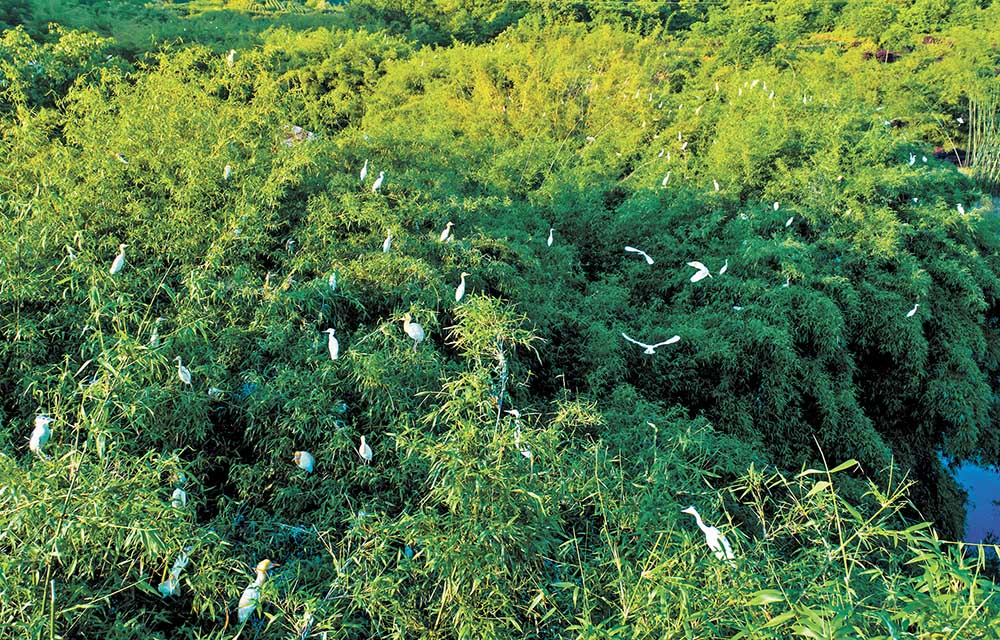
[529,464]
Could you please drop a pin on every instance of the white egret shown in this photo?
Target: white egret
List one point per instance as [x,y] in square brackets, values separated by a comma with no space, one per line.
[913,159]
[304,460]
[679,136]
[414,330]
[378,181]
[716,184]
[924,158]
[215,393]
[771,97]
[251,595]
[332,343]
[788,222]
[702,272]
[119,260]
[724,268]
[231,58]
[737,308]
[684,145]
[642,253]
[364,170]
[182,372]
[788,282]
[179,498]
[171,585]
[446,234]
[650,349]
[460,291]
[549,241]
[960,120]
[912,312]
[40,434]
[665,180]
[154,337]
[776,205]
[387,243]
[961,209]
[227,171]
[365,451]
[716,540]
[332,281]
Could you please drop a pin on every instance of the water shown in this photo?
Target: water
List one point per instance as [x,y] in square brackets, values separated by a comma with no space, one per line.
[982,515]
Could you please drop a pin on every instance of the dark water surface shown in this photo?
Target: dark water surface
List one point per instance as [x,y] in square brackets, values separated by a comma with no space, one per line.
[983,516]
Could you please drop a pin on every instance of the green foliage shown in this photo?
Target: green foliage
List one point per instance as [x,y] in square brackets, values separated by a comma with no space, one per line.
[529,464]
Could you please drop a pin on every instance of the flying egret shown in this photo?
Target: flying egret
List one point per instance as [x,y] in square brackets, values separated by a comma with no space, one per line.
[378,181]
[724,268]
[913,159]
[446,234]
[961,209]
[119,261]
[387,243]
[332,343]
[460,291]
[650,349]
[414,330]
[549,241]
[641,253]
[364,171]
[179,498]
[702,272]
[365,451]
[788,222]
[182,372]
[665,180]
[716,540]
[171,585]
[912,312]
[776,205]
[40,434]
[251,595]
[227,171]
[332,281]
[304,460]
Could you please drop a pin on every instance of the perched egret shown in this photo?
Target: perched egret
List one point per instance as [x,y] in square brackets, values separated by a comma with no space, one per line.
[684,145]
[227,171]
[771,97]
[961,209]
[40,434]
[788,222]
[182,372]
[913,159]
[251,595]
[651,348]
[665,180]
[788,282]
[387,243]
[924,158]
[171,585]
[365,451]
[702,272]
[460,291]
[179,498]
[378,181]
[231,58]
[549,241]
[304,460]
[716,540]
[332,343]
[776,205]
[364,171]
[912,312]
[446,234]
[724,268]
[119,261]
[414,330]
[332,281]
[716,183]
[960,120]
[642,253]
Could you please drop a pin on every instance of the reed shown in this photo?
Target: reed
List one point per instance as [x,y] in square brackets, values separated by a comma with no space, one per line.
[984,139]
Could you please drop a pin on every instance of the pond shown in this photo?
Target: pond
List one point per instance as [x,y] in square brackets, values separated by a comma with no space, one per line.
[982,516]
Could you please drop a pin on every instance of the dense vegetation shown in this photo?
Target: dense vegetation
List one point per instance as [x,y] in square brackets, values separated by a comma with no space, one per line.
[804,411]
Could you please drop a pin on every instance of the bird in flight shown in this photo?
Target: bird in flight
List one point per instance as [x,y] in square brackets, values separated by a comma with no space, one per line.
[651,348]
[642,253]
[702,272]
